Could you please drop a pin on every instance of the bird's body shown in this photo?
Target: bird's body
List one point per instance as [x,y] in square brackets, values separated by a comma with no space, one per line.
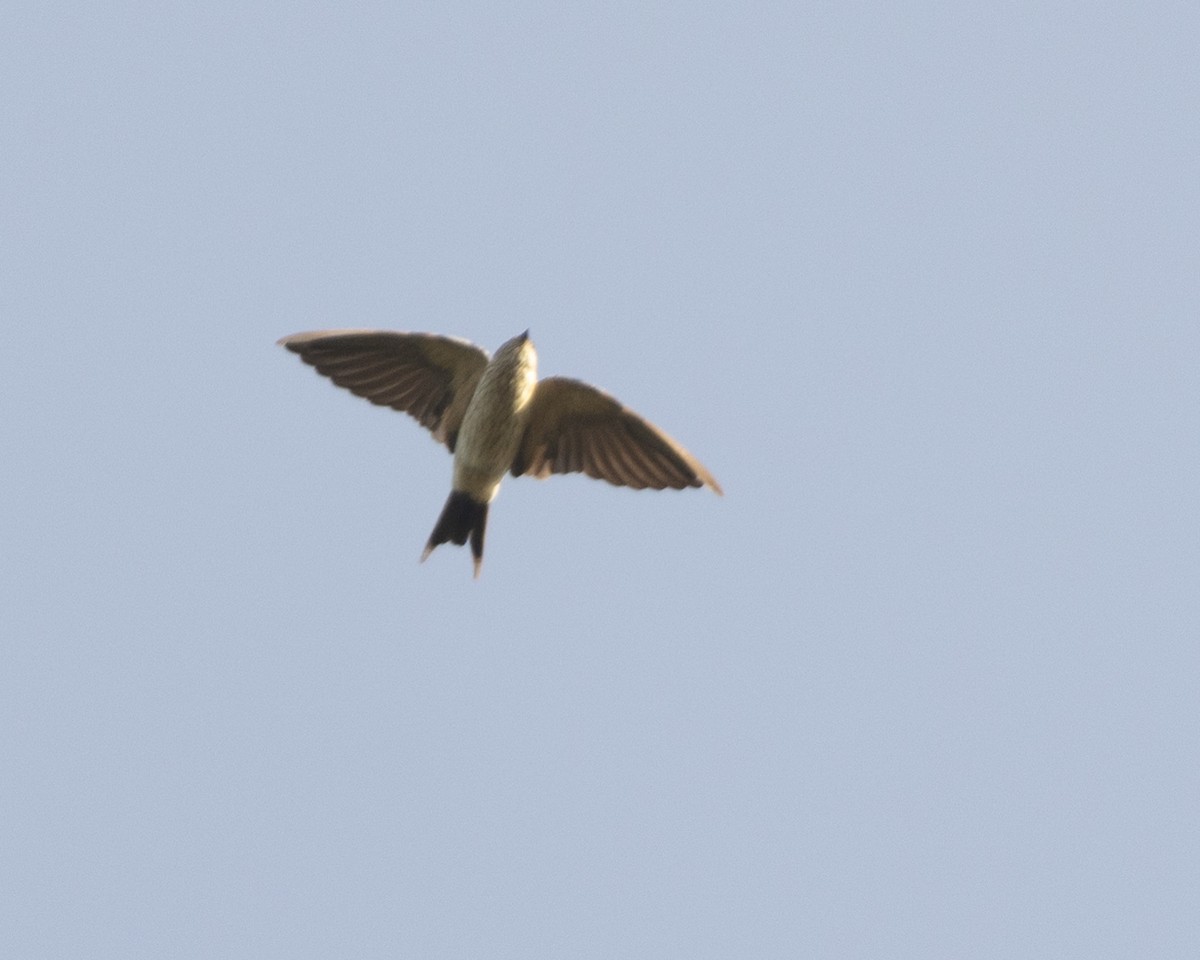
[495,416]
[495,420]
[487,443]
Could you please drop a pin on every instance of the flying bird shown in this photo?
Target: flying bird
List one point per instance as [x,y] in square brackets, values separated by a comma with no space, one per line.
[494,415]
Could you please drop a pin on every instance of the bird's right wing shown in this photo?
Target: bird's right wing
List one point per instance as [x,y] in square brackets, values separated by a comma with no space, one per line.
[575,428]
[429,377]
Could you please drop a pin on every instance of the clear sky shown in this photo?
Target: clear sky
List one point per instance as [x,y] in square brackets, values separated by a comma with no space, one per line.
[918,282]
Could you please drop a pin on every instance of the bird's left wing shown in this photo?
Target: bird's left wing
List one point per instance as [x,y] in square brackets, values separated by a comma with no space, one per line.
[430,377]
[573,427]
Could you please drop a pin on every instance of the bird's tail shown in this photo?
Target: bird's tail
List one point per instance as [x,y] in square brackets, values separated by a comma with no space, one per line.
[462,517]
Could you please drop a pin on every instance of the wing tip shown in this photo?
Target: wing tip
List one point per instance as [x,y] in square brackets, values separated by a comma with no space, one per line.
[294,340]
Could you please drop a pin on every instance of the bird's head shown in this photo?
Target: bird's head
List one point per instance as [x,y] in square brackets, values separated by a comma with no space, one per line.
[519,355]
[520,347]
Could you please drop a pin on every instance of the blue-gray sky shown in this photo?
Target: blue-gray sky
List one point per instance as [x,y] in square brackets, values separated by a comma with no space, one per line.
[918,282]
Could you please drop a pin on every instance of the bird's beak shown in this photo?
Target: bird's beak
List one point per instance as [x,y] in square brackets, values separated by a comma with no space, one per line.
[525,336]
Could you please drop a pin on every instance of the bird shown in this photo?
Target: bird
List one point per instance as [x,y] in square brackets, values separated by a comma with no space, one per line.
[495,416]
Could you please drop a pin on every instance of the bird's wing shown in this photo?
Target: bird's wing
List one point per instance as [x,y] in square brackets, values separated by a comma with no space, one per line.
[573,427]
[432,378]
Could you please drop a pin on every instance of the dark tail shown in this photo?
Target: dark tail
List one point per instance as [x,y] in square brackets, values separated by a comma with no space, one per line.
[462,517]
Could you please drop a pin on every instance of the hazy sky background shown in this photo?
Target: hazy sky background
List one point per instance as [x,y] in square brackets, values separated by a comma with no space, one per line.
[919,282]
